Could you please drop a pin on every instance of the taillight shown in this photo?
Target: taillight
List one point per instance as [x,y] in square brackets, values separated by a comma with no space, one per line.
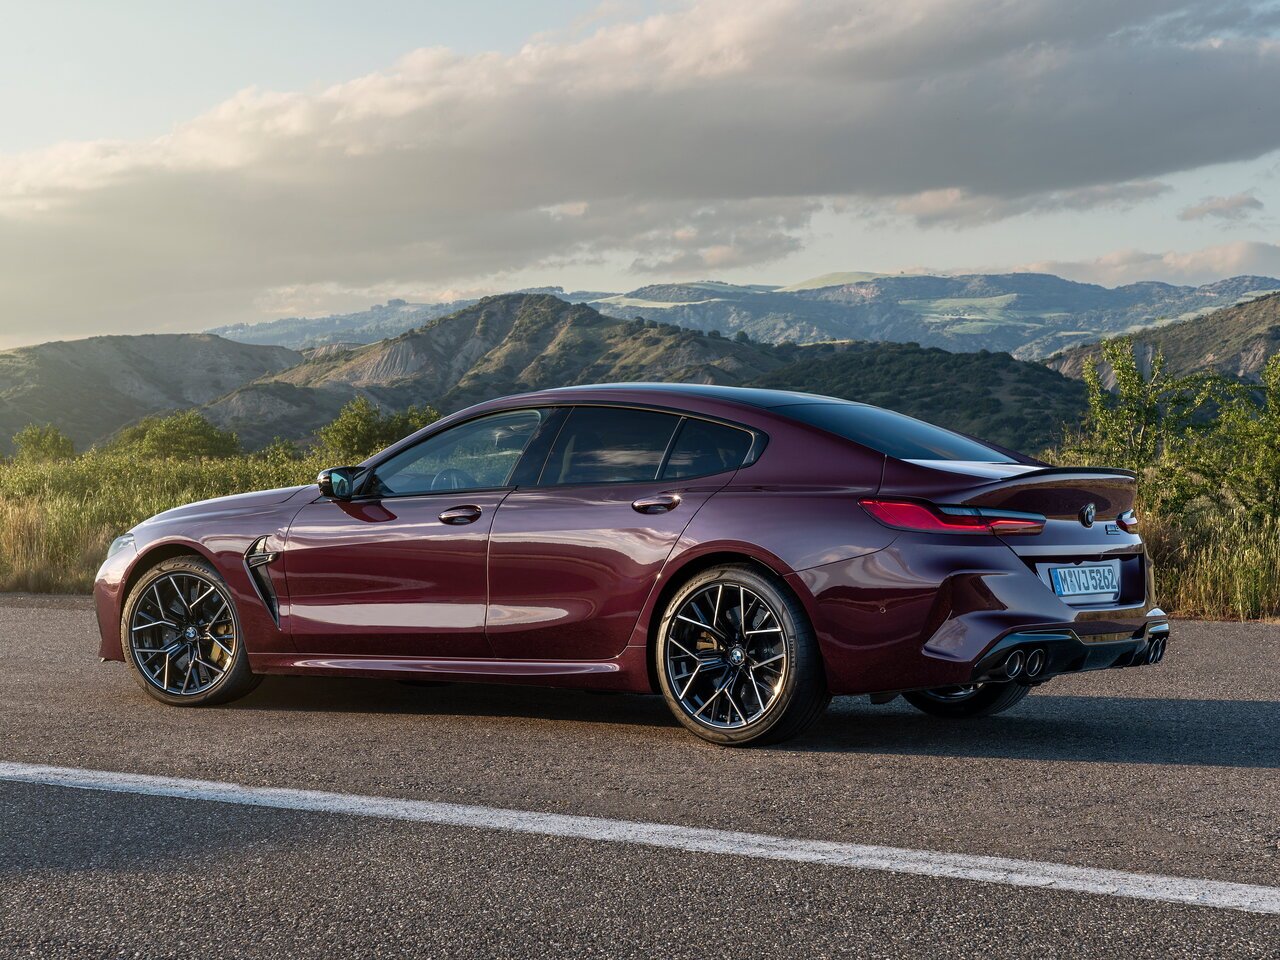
[933,518]
[1128,522]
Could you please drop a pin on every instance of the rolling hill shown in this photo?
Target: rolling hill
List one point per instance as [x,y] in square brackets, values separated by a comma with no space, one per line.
[1236,341]
[516,343]
[90,388]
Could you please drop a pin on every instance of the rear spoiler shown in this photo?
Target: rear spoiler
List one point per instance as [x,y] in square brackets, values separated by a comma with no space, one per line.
[1090,471]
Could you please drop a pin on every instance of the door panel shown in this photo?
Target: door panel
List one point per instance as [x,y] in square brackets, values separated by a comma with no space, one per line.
[391,577]
[571,567]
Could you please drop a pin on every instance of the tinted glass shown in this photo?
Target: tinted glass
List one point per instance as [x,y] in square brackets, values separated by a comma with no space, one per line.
[471,456]
[609,445]
[899,436]
[705,448]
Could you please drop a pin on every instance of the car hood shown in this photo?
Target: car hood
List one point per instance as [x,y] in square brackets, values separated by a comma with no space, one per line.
[227,506]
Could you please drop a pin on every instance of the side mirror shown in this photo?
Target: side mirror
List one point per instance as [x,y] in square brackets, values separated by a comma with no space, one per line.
[338,482]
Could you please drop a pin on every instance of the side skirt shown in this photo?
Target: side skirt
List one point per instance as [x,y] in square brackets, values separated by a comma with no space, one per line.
[626,672]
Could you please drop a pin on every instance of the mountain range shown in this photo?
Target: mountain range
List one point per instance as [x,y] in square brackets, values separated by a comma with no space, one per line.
[515,343]
[1030,315]
[502,345]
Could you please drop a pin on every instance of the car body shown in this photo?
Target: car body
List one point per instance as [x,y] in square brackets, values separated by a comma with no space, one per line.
[560,572]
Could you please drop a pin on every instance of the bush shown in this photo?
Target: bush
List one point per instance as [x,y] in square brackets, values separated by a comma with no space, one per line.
[186,435]
[361,429]
[38,443]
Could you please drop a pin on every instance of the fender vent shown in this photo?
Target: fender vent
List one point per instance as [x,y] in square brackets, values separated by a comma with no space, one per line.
[255,561]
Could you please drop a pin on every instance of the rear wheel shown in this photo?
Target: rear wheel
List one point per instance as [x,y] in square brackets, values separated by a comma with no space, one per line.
[181,635]
[969,700]
[737,660]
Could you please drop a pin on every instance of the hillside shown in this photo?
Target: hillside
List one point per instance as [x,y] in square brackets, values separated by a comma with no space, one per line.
[90,388]
[516,343]
[1017,404]
[1236,341]
[380,321]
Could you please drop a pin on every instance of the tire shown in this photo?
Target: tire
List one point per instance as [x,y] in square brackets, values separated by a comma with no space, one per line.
[778,664]
[986,699]
[183,669]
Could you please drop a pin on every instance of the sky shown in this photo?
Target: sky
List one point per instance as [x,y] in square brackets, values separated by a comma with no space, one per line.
[180,165]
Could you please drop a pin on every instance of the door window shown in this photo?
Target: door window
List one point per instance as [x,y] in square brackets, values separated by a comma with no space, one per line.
[704,448]
[478,455]
[609,445]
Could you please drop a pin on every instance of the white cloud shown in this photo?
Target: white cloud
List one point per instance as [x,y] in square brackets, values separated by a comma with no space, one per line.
[696,139]
[1238,206]
[1191,267]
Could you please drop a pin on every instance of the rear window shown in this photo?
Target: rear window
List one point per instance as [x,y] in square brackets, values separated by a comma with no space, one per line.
[893,434]
[704,448]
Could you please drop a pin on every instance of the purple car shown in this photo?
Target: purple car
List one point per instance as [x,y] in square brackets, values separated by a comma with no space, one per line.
[746,553]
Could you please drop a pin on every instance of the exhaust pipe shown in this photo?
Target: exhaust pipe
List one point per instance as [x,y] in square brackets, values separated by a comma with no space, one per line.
[1036,661]
[1013,665]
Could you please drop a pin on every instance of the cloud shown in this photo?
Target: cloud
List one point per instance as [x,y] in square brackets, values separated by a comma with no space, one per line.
[1236,207]
[700,138]
[960,208]
[1193,267]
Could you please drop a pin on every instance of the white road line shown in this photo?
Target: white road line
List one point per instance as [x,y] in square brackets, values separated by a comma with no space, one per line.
[954,866]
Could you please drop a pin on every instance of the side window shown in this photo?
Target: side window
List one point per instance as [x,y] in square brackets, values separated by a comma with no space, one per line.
[609,445]
[704,448]
[476,455]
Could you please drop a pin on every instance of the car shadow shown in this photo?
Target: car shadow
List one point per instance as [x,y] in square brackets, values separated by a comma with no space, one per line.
[359,695]
[1223,733]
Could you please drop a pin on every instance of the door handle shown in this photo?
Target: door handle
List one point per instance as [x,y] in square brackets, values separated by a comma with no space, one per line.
[460,515]
[657,504]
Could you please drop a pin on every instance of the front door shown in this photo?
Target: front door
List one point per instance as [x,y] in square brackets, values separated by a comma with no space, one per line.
[573,558]
[400,571]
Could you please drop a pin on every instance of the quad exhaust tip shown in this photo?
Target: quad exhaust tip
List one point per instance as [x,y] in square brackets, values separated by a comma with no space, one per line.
[1036,660]
[1013,664]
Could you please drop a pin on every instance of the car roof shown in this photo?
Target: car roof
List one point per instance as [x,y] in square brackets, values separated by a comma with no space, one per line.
[747,396]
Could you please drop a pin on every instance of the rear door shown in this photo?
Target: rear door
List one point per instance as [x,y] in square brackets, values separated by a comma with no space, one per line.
[574,556]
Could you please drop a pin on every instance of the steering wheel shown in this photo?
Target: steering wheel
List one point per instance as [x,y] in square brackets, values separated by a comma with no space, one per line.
[451,478]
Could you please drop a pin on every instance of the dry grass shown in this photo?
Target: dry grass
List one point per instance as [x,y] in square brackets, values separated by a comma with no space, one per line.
[57,518]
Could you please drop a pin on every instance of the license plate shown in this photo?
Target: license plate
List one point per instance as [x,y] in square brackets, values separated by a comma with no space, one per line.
[1100,580]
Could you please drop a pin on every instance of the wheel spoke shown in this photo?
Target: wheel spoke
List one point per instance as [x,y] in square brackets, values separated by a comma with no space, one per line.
[699,623]
[696,670]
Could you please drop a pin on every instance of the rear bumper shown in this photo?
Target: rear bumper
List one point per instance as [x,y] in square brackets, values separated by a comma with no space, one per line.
[1066,651]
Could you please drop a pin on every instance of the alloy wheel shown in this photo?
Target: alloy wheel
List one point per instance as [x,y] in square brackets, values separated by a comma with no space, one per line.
[183,634]
[726,656]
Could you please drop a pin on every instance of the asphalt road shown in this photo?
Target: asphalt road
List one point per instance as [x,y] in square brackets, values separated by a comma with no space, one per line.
[1168,770]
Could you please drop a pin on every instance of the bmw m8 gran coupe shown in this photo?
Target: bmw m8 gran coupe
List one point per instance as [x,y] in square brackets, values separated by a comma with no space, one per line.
[745,553]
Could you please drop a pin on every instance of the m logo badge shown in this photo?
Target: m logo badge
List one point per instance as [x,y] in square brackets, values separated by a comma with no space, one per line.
[1088,514]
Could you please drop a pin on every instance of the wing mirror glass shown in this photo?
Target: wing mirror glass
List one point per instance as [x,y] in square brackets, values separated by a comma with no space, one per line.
[338,482]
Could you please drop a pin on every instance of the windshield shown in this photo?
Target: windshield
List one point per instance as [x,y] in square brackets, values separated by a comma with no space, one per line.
[894,434]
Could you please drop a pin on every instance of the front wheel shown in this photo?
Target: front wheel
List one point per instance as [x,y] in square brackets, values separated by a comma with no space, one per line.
[970,700]
[181,635]
[737,659]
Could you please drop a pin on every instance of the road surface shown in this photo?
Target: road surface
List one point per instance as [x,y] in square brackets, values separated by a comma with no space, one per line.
[1170,772]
